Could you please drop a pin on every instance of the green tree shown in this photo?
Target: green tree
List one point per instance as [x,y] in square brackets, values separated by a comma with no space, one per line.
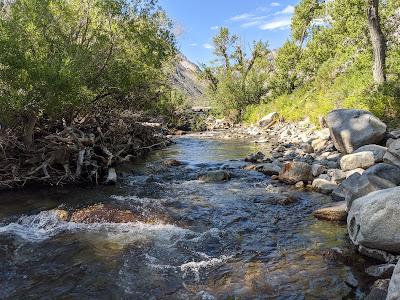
[239,77]
[59,58]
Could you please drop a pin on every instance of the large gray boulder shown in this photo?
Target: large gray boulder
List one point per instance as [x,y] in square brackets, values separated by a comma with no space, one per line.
[394,285]
[361,160]
[386,171]
[373,220]
[392,155]
[377,151]
[296,171]
[352,129]
[365,184]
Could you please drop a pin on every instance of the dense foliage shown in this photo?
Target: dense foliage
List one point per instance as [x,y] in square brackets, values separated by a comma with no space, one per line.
[327,64]
[59,58]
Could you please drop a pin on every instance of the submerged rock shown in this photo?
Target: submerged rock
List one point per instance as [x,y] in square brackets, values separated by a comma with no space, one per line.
[172,163]
[352,128]
[101,213]
[215,176]
[255,157]
[373,220]
[337,212]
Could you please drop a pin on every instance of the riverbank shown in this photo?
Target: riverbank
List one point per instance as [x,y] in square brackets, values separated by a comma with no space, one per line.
[355,160]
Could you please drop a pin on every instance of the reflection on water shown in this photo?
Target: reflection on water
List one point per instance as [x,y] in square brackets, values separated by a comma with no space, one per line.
[204,241]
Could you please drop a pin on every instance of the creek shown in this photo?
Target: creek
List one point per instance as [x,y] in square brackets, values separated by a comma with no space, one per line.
[221,240]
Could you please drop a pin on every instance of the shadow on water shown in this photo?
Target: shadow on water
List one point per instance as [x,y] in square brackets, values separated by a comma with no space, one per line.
[205,240]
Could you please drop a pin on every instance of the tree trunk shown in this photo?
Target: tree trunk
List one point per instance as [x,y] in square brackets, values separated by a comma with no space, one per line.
[378,41]
[29,122]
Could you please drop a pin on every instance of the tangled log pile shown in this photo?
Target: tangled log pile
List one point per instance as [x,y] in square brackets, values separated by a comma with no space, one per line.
[87,150]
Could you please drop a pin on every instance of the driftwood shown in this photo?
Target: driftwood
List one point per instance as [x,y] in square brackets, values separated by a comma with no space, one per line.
[87,150]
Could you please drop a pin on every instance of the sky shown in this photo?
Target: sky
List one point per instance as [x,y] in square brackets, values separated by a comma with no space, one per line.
[197,21]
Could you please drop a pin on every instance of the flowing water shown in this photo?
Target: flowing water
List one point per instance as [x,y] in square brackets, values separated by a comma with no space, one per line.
[204,241]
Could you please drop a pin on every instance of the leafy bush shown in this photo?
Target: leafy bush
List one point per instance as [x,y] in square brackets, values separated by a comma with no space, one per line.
[59,58]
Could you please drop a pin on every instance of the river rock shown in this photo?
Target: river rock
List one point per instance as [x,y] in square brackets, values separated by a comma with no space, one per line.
[394,285]
[355,171]
[379,290]
[365,184]
[307,148]
[215,176]
[337,175]
[269,120]
[353,161]
[392,155]
[101,213]
[324,134]
[373,220]
[255,157]
[385,171]
[319,144]
[377,151]
[318,169]
[351,129]
[323,186]
[339,194]
[172,163]
[270,169]
[295,171]
[380,271]
[337,212]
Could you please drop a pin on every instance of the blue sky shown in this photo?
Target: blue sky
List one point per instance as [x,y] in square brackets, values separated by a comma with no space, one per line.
[197,21]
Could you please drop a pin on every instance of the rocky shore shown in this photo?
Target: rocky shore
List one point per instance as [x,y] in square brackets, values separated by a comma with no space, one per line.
[355,159]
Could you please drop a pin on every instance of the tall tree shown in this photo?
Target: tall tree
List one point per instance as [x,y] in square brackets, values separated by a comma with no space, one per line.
[378,41]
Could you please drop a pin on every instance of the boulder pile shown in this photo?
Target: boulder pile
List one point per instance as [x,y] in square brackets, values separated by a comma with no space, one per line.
[356,160]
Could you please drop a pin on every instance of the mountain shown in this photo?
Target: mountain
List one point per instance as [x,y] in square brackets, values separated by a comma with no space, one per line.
[187,80]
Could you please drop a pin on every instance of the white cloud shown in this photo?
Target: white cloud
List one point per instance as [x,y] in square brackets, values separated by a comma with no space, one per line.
[208,46]
[276,24]
[275,4]
[214,27]
[250,24]
[288,10]
[193,45]
[241,17]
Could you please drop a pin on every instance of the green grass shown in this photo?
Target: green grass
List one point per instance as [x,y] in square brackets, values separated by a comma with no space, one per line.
[353,89]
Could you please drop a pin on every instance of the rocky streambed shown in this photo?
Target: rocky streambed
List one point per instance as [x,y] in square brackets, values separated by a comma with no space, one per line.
[214,216]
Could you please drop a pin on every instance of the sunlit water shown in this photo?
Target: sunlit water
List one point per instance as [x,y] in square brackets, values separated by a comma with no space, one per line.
[202,240]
